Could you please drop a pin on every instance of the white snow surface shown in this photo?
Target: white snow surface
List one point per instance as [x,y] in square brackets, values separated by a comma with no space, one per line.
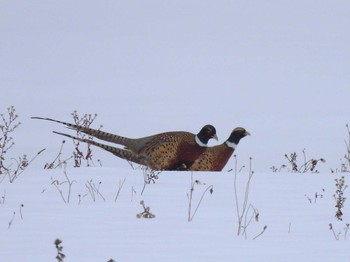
[280,69]
[99,230]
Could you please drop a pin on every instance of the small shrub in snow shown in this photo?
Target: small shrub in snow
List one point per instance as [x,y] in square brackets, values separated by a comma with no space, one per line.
[60,256]
[307,165]
[8,124]
[339,197]
[78,154]
[146,211]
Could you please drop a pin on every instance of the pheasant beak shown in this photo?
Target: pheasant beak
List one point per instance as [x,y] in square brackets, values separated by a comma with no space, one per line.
[215,137]
[247,133]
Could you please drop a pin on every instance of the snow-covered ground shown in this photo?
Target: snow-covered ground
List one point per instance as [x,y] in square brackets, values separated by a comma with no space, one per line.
[98,230]
[280,69]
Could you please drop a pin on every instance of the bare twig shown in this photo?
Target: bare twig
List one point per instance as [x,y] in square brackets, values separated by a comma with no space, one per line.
[345,166]
[57,159]
[289,227]
[120,186]
[133,192]
[334,234]
[190,197]
[22,164]
[255,214]
[346,229]
[262,232]
[2,200]
[12,219]
[20,211]
[94,190]
[245,207]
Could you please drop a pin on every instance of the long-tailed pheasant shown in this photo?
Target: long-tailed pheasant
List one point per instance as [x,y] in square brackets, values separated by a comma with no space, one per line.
[215,158]
[164,151]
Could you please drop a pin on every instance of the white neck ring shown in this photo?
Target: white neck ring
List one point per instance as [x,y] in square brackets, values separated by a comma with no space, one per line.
[199,142]
[230,144]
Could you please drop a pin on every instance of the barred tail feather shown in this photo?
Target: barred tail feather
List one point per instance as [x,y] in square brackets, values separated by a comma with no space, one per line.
[92,132]
[121,153]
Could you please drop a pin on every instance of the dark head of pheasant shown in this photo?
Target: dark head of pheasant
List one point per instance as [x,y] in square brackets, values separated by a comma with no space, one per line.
[216,157]
[237,134]
[206,133]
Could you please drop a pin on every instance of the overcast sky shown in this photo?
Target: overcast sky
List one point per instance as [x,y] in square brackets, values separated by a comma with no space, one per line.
[279,68]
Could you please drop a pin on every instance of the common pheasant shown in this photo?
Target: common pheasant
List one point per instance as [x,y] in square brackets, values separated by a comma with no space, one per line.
[215,158]
[164,151]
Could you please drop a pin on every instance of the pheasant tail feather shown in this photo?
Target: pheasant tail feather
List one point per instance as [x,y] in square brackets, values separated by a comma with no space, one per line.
[93,132]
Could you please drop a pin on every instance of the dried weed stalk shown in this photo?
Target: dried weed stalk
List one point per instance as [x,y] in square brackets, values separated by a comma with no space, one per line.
[338,234]
[248,212]
[149,176]
[58,162]
[3,197]
[11,221]
[94,190]
[58,185]
[345,165]
[8,126]
[120,186]
[209,189]
[316,197]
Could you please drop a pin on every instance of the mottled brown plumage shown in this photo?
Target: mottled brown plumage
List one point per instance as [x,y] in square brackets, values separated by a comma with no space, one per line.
[164,151]
[215,158]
